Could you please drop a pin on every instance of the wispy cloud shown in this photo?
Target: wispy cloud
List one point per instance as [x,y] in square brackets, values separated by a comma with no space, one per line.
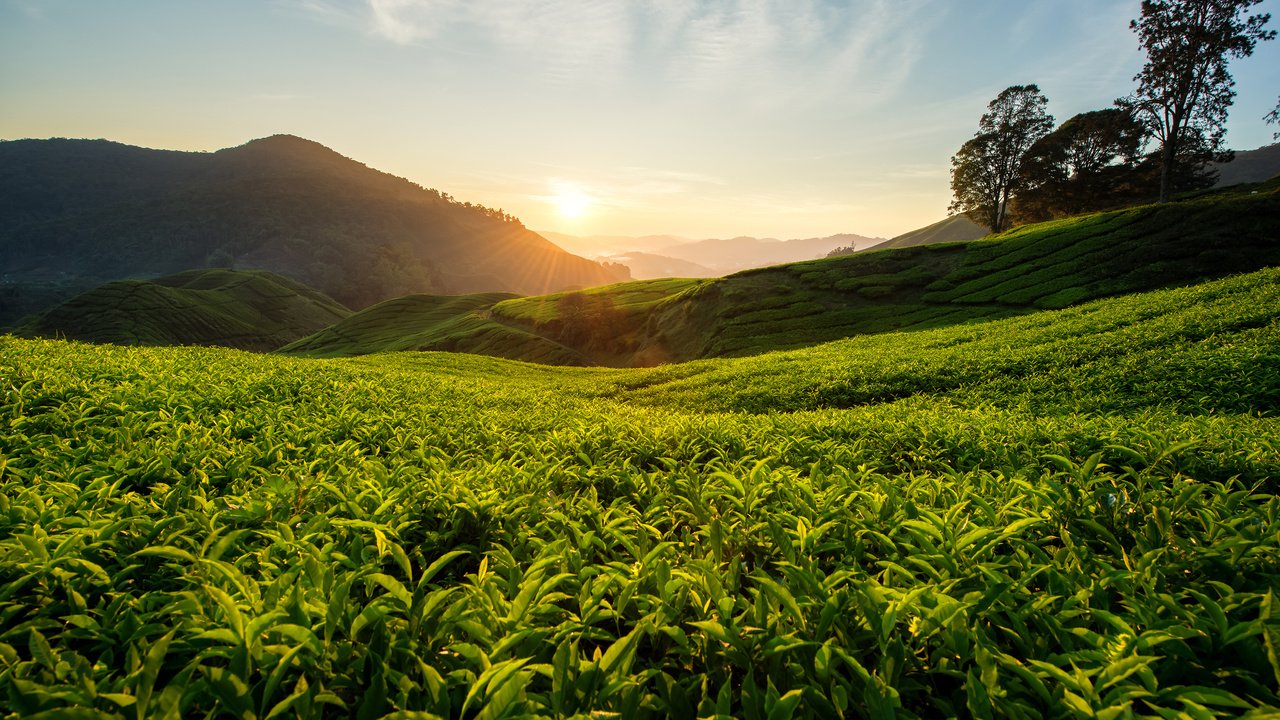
[774,47]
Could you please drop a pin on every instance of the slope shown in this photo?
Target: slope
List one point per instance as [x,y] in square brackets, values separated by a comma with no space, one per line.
[430,322]
[1074,510]
[1031,268]
[250,310]
[953,229]
[97,210]
[1250,166]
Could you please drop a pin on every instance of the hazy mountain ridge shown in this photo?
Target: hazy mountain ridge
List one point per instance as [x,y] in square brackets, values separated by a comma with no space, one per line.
[95,210]
[719,256]
[1250,166]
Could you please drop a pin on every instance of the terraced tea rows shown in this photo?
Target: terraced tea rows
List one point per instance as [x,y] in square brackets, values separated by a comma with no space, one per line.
[1071,514]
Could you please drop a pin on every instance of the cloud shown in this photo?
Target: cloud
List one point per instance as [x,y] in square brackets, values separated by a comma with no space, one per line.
[770,49]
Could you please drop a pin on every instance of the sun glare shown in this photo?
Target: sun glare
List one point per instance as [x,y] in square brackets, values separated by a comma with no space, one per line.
[572,203]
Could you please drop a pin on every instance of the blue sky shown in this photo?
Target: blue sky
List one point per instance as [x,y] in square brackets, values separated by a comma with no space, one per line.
[703,118]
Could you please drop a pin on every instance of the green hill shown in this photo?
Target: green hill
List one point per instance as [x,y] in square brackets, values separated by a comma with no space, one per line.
[1067,514]
[91,211]
[1047,265]
[956,228]
[250,310]
[430,322]
[1032,268]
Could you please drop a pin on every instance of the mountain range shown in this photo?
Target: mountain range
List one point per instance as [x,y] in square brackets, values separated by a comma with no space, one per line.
[655,256]
[76,213]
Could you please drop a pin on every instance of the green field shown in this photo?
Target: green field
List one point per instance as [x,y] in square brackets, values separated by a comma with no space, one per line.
[1069,513]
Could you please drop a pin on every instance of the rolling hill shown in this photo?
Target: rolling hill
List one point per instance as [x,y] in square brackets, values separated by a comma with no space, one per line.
[1067,514]
[1031,268]
[956,228]
[89,211]
[249,310]
[456,323]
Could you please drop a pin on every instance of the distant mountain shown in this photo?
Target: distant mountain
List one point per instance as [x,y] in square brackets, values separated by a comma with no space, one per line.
[598,246]
[92,210]
[250,310]
[719,256]
[646,266]
[1250,166]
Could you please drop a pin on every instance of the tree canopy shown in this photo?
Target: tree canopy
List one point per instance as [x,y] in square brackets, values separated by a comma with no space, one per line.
[1184,89]
[987,170]
[1088,163]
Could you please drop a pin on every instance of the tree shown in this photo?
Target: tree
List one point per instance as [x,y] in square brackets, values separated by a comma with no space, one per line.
[1273,117]
[1184,89]
[1088,163]
[985,172]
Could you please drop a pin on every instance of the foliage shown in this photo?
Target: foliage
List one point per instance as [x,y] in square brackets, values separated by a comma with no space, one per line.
[986,172]
[1069,514]
[1184,89]
[461,323]
[1087,164]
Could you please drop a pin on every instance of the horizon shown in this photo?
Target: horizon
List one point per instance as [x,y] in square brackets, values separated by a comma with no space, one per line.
[692,120]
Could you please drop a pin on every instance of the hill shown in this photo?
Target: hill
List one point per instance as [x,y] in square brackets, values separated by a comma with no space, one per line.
[456,323]
[1034,267]
[1071,514]
[1250,166]
[250,310]
[93,211]
[956,228]
[1047,265]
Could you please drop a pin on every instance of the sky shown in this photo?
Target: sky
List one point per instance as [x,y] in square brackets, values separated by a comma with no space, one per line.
[697,118]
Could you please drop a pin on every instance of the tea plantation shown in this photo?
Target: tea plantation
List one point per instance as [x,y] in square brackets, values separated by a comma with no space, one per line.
[1070,513]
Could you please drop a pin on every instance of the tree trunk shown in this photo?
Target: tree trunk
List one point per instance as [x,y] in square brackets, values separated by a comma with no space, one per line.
[1166,170]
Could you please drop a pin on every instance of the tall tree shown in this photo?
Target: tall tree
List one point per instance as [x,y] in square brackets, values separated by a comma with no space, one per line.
[985,172]
[1274,117]
[1088,163]
[1184,89]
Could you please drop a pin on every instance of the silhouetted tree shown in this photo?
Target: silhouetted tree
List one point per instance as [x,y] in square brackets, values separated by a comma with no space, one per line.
[1273,118]
[1088,163]
[1184,89]
[985,173]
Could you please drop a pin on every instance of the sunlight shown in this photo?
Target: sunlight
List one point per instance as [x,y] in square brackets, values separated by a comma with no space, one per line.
[572,202]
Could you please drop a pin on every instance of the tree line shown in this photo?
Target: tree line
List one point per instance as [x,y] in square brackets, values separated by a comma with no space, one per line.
[1019,168]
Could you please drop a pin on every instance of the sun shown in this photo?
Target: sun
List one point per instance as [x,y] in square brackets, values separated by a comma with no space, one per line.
[572,202]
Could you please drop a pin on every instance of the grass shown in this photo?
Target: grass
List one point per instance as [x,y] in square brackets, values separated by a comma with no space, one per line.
[1066,514]
[460,323]
[245,309]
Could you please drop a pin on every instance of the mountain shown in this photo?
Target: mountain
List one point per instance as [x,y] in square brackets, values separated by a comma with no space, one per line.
[1034,267]
[720,256]
[89,211]
[646,266]
[250,310]
[1250,166]
[596,246]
